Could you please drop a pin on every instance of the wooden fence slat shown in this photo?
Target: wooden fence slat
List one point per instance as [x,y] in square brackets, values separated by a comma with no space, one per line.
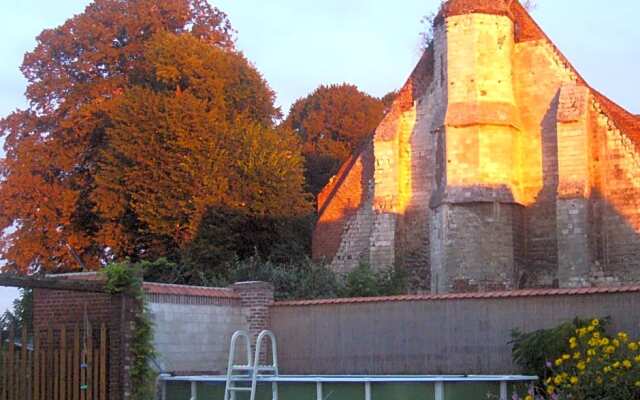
[56,374]
[63,363]
[36,365]
[103,362]
[29,388]
[70,373]
[3,371]
[43,368]
[11,365]
[3,367]
[89,369]
[96,373]
[76,363]
[50,363]
[23,362]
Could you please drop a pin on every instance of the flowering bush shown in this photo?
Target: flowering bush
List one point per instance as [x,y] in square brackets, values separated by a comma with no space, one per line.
[596,367]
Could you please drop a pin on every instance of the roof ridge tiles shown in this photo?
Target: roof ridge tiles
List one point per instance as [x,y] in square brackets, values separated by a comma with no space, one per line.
[465,296]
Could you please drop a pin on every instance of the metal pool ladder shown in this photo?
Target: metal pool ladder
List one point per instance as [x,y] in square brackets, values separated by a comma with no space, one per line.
[251,371]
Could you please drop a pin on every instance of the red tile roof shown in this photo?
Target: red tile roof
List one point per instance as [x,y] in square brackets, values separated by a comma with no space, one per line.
[466,296]
[623,119]
[183,290]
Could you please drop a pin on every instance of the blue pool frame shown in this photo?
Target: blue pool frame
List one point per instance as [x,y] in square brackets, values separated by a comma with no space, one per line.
[438,381]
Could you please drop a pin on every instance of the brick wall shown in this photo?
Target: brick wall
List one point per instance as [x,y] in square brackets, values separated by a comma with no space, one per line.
[256,299]
[56,308]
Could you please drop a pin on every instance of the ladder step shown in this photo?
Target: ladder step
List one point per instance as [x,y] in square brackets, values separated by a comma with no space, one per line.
[242,367]
[265,368]
[240,389]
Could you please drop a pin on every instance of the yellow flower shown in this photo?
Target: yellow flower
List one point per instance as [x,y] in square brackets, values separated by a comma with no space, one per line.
[576,355]
[558,362]
[616,342]
[627,364]
[604,342]
[591,352]
[637,384]
[574,380]
[633,346]
[606,369]
[566,356]
[558,379]
[581,365]
[590,329]
[528,397]
[609,349]
[551,389]
[596,335]
[637,359]
[616,364]
[595,322]
[623,336]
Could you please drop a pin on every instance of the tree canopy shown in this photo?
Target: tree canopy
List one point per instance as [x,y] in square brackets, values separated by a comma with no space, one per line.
[143,120]
[331,123]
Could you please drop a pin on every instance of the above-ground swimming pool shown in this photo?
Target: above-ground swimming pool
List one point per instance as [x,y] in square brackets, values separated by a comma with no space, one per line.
[355,387]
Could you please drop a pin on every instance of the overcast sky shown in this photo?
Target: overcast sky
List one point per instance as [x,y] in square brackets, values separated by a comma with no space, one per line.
[300,44]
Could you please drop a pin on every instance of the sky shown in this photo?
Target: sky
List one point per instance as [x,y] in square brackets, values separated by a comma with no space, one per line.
[374,44]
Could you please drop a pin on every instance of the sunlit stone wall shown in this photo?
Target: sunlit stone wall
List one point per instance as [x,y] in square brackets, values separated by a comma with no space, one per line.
[497,167]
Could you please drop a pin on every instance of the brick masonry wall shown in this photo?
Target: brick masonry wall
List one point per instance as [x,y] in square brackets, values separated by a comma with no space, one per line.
[56,308]
[256,299]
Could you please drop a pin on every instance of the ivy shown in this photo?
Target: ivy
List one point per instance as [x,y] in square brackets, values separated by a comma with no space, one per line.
[127,278]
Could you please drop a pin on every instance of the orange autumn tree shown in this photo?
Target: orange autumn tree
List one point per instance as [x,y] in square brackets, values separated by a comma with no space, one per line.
[194,137]
[138,111]
[332,122]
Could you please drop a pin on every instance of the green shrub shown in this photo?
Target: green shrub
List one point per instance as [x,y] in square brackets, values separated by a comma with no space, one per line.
[596,367]
[363,281]
[533,351]
[308,280]
[303,280]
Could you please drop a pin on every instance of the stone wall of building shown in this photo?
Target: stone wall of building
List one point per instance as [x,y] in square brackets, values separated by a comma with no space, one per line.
[497,167]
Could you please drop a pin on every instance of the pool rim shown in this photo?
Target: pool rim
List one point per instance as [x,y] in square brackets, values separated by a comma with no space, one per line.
[356,378]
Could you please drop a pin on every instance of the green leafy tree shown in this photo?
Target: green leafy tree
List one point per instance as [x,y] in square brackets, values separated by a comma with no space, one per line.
[331,123]
[20,314]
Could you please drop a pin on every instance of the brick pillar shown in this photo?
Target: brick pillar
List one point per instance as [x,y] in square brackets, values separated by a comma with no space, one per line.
[256,299]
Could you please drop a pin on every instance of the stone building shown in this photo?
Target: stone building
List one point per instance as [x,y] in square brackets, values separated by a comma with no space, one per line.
[498,167]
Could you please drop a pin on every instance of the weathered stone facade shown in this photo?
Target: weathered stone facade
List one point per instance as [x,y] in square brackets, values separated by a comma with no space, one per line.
[498,167]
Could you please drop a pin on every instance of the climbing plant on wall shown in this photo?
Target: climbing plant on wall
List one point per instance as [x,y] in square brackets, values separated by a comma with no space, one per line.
[125,278]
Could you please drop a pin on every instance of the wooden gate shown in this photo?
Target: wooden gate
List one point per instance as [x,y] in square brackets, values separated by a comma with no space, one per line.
[54,364]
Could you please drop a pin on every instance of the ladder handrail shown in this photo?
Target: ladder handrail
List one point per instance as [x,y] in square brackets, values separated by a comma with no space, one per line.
[274,363]
[253,366]
[232,353]
[274,349]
